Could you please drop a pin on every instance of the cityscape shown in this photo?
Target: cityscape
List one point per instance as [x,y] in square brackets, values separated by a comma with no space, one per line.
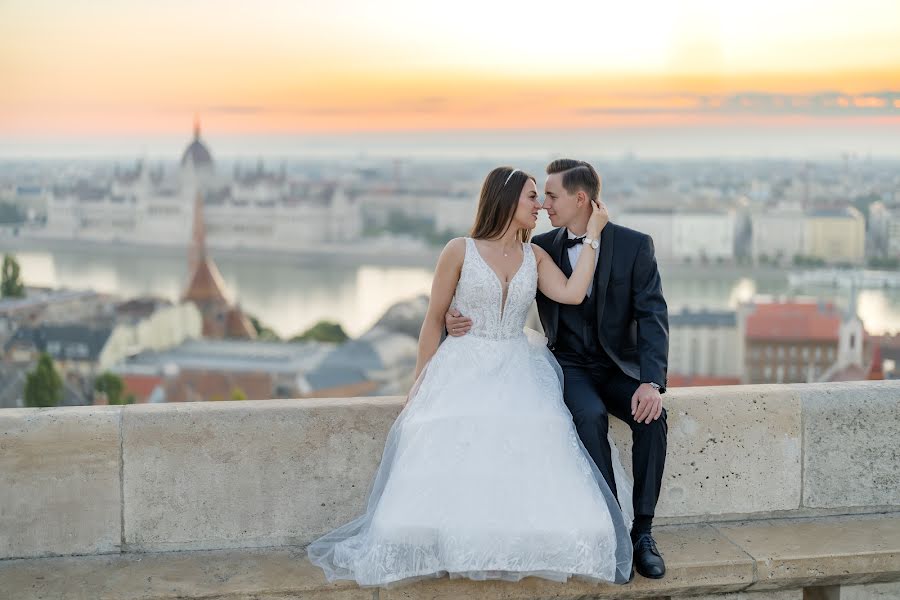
[232,359]
[776,271]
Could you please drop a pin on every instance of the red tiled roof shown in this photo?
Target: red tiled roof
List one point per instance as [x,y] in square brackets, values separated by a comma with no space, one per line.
[140,385]
[700,380]
[238,325]
[800,321]
[206,284]
[196,385]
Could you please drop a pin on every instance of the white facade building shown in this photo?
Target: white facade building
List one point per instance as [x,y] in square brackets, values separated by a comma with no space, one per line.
[703,236]
[705,343]
[261,211]
[779,234]
[658,224]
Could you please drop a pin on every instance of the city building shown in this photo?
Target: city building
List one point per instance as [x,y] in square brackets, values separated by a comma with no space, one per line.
[154,207]
[658,223]
[703,236]
[704,345]
[90,346]
[803,340]
[212,369]
[778,234]
[836,235]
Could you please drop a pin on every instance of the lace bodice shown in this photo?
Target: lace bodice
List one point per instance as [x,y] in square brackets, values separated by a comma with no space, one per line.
[479,294]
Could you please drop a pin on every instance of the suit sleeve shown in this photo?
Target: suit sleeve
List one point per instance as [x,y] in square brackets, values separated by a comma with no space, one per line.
[651,314]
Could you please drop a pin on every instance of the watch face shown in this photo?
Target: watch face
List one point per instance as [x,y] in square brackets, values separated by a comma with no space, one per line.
[595,244]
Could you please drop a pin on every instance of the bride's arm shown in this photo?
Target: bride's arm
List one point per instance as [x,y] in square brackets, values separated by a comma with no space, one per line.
[443,286]
[552,281]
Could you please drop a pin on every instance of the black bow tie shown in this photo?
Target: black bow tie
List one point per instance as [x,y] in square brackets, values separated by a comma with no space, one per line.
[574,241]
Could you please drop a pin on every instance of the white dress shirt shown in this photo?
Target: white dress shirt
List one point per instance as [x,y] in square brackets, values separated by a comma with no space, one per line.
[575,252]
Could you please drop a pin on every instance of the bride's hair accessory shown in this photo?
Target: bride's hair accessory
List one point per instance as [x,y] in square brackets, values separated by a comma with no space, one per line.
[513,172]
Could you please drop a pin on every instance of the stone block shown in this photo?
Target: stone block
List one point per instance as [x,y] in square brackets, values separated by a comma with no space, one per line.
[731,449]
[59,481]
[248,474]
[851,454]
[819,552]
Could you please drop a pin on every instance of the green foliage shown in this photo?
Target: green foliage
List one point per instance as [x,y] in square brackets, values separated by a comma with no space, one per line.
[323,331]
[238,394]
[263,332]
[808,261]
[112,386]
[43,386]
[887,263]
[11,285]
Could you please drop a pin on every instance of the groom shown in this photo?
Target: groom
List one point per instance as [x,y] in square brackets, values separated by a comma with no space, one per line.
[613,347]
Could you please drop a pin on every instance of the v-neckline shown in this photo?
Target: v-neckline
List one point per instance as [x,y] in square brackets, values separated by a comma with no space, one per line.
[504,294]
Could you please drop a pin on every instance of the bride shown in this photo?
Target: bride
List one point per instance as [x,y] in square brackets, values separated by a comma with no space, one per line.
[483,473]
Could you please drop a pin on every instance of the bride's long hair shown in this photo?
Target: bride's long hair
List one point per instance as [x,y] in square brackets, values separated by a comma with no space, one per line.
[498,202]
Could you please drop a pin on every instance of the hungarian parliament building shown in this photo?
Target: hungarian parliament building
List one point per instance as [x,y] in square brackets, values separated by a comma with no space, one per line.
[255,210]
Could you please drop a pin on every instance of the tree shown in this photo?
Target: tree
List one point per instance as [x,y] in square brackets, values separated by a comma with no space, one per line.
[263,332]
[11,285]
[43,386]
[890,263]
[112,386]
[323,331]
[238,394]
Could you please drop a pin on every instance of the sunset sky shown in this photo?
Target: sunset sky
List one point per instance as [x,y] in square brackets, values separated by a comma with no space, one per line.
[105,67]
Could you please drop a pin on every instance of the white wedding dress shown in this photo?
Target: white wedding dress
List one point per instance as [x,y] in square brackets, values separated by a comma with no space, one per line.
[483,474]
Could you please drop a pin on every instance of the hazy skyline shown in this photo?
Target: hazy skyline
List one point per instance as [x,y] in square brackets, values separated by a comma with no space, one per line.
[75,74]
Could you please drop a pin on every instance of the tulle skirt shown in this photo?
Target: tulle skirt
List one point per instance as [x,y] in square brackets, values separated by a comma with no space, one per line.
[484,476]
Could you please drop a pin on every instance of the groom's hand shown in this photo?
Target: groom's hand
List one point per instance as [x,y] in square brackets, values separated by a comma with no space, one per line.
[646,404]
[457,325]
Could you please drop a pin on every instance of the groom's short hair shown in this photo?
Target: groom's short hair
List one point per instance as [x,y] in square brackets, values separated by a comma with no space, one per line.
[577,175]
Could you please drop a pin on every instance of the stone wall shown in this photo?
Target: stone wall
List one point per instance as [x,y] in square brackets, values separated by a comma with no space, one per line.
[191,476]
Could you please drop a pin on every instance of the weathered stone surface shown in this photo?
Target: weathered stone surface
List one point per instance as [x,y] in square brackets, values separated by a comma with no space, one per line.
[269,574]
[59,481]
[851,454]
[702,562]
[767,595]
[697,558]
[733,449]
[871,591]
[247,474]
[820,551]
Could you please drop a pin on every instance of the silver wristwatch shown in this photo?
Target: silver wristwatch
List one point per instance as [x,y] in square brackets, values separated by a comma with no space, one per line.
[655,386]
[592,243]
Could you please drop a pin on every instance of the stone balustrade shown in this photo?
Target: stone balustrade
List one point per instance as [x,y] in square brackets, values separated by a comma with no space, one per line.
[119,482]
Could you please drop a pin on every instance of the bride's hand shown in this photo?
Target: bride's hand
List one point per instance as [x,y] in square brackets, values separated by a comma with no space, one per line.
[599,219]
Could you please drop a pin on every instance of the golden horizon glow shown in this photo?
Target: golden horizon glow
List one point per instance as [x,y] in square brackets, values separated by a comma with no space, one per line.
[296,66]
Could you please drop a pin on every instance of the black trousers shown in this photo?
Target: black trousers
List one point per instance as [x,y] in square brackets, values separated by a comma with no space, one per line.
[593,392]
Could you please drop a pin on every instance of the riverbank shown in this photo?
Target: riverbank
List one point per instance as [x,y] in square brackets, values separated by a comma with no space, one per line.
[364,252]
[361,252]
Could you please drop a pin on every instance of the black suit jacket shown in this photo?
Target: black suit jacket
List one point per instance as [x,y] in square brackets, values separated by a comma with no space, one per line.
[632,317]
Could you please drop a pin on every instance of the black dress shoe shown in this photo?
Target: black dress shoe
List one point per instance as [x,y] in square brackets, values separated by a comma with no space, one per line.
[647,559]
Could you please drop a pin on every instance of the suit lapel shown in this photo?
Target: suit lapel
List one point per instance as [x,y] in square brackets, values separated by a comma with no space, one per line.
[559,246]
[604,265]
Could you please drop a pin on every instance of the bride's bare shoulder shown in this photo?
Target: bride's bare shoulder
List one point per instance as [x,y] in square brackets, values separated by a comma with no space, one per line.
[455,247]
[453,253]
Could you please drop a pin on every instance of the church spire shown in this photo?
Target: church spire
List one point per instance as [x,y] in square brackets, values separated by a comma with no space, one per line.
[196,126]
[198,237]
